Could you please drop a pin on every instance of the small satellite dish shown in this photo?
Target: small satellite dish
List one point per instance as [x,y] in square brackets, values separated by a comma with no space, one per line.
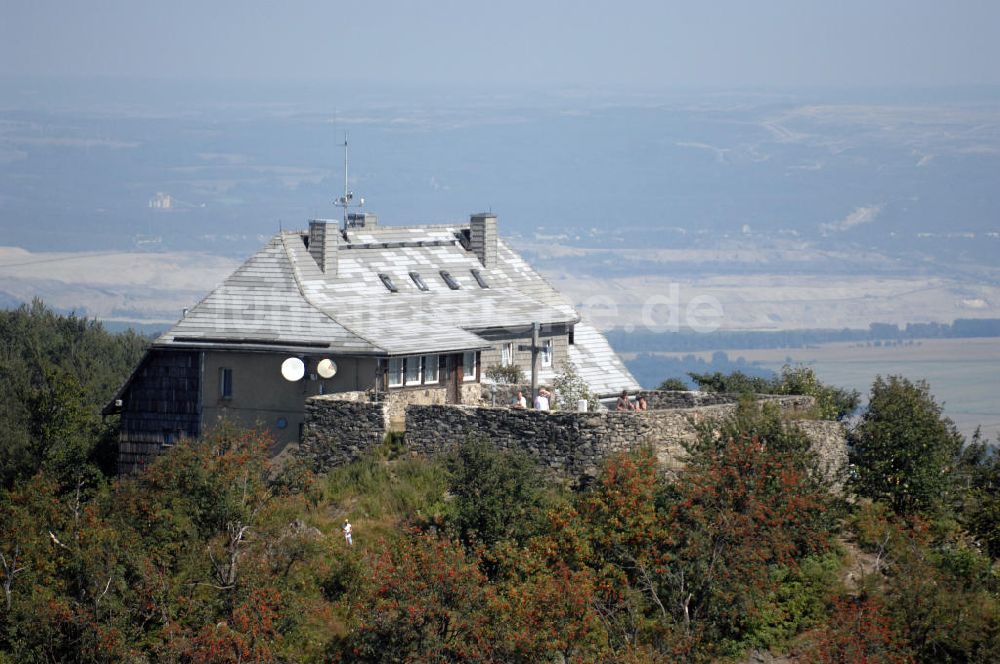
[326,368]
[293,369]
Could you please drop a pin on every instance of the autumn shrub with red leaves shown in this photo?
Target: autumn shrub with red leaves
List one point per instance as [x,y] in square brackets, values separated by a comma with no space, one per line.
[858,630]
[739,513]
[425,600]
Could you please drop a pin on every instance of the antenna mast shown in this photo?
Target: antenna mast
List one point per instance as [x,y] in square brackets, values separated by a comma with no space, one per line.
[345,201]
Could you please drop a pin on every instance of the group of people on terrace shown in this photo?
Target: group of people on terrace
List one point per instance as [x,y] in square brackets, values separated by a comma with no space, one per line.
[542,401]
[625,403]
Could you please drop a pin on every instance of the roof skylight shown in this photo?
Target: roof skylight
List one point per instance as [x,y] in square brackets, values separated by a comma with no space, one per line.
[387,282]
[450,280]
[419,281]
[480,279]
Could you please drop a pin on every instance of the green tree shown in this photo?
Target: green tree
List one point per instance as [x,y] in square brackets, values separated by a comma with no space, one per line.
[938,588]
[497,495]
[200,558]
[673,385]
[979,505]
[64,431]
[904,451]
[56,373]
[570,388]
[736,382]
[832,403]
[510,374]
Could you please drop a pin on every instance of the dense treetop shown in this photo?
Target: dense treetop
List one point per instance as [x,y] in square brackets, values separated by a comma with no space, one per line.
[56,373]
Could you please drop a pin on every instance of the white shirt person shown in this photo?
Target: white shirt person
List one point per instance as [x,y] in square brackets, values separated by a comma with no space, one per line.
[347,532]
[542,399]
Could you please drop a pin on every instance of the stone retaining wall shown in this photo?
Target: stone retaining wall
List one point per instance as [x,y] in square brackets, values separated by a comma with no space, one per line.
[502,394]
[341,427]
[662,400]
[829,442]
[568,443]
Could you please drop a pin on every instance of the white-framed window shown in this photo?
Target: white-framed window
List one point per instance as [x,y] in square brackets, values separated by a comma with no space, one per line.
[469,365]
[395,371]
[430,369]
[225,383]
[507,354]
[547,353]
[413,372]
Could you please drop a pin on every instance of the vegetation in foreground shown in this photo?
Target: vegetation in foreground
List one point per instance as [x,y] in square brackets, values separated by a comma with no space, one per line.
[211,555]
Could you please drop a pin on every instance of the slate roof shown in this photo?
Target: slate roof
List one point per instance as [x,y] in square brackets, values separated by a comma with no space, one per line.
[598,364]
[260,305]
[280,299]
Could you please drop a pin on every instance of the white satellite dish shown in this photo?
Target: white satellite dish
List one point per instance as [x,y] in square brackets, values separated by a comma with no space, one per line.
[326,368]
[293,369]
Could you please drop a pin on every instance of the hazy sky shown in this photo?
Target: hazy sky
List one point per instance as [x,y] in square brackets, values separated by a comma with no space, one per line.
[589,43]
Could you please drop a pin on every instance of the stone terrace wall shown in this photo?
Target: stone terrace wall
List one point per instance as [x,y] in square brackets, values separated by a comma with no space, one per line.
[397,401]
[502,394]
[660,400]
[568,443]
[341,427]
[829,442]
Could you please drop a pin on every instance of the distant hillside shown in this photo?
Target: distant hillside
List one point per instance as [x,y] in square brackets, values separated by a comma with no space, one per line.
[624,341]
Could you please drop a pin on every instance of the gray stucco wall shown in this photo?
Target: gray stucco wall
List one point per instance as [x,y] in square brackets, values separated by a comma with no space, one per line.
[261,397]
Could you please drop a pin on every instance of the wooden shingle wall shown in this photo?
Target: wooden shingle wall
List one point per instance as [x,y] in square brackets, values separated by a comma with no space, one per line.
[160,407]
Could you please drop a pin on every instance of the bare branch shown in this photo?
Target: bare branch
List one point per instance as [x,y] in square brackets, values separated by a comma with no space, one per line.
[97,602]
[10,571]
[56,540]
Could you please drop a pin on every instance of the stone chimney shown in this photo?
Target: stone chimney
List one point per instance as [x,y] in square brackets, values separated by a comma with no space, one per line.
[324,236]
[483,238]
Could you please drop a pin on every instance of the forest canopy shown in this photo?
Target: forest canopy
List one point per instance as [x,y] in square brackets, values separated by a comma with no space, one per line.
[214,554]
